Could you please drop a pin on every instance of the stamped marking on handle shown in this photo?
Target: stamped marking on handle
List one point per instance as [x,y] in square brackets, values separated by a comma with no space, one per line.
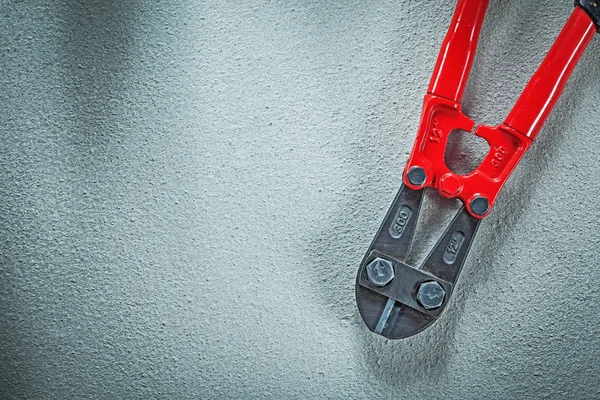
[400,221]
[453,247]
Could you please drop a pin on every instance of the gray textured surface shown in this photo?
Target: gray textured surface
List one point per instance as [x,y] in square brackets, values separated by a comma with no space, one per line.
[187,190]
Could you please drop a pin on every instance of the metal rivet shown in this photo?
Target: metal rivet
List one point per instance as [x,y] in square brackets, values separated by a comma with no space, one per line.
[480,205]
[416,176]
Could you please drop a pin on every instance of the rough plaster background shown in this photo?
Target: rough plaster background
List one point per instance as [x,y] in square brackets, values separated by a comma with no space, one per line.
[188,188]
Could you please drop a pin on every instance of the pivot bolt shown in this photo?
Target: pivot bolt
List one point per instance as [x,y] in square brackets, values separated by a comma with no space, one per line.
[380,272]
[431,295]
[450,185]
[480,205]
[416,176]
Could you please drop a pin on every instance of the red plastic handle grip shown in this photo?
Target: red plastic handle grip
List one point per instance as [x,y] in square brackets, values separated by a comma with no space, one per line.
[458,50]
[545,87]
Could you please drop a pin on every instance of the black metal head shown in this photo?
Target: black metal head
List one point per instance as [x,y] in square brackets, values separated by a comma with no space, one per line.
[410,299]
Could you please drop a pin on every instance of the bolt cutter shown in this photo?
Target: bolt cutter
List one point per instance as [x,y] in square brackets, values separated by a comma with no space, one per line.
[395,299]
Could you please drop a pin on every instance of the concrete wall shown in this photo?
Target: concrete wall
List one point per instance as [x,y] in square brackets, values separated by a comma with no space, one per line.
[188,187]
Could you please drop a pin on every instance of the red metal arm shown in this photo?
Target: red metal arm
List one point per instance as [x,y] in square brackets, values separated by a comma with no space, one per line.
[442,111]
[458,50]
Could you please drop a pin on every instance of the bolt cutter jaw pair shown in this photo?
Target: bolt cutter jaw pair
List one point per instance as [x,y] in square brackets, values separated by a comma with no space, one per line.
[410,299]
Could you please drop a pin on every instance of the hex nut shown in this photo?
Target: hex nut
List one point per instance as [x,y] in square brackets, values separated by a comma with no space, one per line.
[431,295]
[380,272]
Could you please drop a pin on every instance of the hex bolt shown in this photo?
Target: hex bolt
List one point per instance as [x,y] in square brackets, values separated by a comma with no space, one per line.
[450,185]
[480,205]
[416,176]
[380,272]
[431,295]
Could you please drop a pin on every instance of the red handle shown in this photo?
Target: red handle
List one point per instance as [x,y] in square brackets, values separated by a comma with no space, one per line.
[458,50]
[545,87]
